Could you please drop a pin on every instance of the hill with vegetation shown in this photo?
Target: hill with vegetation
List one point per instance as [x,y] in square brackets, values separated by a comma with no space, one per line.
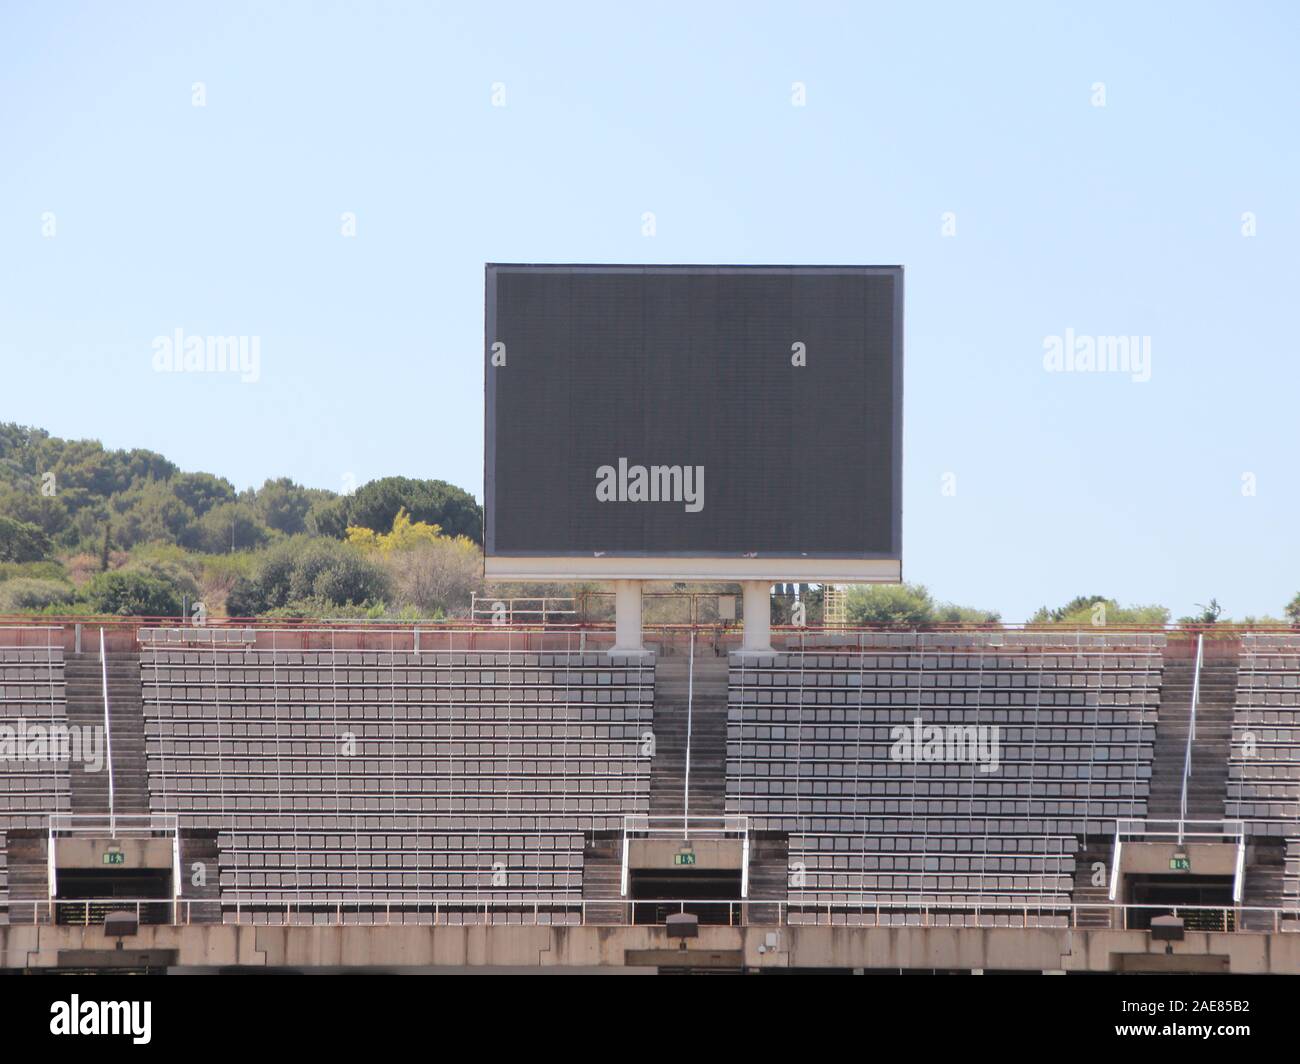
[85,529]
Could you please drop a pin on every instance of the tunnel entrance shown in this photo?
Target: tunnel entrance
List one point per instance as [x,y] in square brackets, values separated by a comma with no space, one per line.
[1184,897]
[86,895]
[658,892]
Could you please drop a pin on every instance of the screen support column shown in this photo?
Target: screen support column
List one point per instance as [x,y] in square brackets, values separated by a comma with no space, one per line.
[758,616]
[627,617]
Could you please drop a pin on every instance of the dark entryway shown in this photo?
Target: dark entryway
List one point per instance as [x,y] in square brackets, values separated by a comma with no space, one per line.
[1184,897]
[86,894]
[654,890]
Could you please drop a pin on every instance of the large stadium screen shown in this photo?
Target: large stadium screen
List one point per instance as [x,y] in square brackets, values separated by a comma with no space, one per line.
[694,421]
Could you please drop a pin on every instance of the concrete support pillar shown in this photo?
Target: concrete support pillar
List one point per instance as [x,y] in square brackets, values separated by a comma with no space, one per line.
[627,617]
[758,617]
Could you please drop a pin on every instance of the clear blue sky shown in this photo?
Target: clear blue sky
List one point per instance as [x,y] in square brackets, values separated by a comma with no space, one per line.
[1117,220]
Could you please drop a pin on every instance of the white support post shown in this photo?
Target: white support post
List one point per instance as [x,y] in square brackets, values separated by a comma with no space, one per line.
[758,617]
[108,736]
[627,617]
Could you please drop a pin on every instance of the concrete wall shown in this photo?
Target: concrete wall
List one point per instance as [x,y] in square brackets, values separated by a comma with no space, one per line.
[710,854]
[606,948]
[1207,858]
[136,853]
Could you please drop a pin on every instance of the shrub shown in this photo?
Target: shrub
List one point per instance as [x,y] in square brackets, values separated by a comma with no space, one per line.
[25,593]
[133,593]
[21,542]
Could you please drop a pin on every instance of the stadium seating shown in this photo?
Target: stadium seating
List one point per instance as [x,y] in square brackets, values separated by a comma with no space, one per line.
[333,774]
[1264,764]
[810,737]
[392,778]
[31,695]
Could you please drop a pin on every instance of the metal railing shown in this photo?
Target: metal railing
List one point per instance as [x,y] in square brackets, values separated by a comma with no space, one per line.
[489,609]
[1191,728]
[686,828]
[1232,832]
[116,825]
[839,911]
[639,825]
[108,730]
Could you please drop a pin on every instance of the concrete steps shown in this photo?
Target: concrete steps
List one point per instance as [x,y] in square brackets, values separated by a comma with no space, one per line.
[769,875]
[84,677]
[199,847]
[29,878]
[707,690]
[1208,784]
[1266,881]
[602,870]
[1093,849]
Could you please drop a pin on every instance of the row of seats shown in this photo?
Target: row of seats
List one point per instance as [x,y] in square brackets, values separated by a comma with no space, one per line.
[464,773]
[813,749]
[341,693]
[32,693]
[1264,762]
[33,700]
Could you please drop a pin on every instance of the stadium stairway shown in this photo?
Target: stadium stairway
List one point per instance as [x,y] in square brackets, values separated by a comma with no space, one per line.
[29,875]
[1207,789]
[769,875]
[1093,850]
[708,729]
[85,695]
[1265,881]
[602,870]
[199,847]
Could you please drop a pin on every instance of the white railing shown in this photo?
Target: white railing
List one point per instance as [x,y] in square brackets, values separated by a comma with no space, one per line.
[1191,728]
[115,826]
[108,731]
[492,610]
[119,825]
[867,912]
[686,828]
[690,699]
[1202,830]
[1232,832]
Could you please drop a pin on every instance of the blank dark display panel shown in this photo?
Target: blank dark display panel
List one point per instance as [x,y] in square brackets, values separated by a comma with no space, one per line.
[659,411]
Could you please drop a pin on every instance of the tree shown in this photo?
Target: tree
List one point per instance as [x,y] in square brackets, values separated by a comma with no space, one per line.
[430,572]
[22,542]
[301,569]
[336,573]
[283,505]
[202,491]
[438,577]
[405,535]
[1293,610]
[24,593]
[1098,610]
[376,505]
[133,594]
[328,516]
[907,606]
[947,613]
[151,512]
[229,526]
[1210,614]
[899,605]
[27,504]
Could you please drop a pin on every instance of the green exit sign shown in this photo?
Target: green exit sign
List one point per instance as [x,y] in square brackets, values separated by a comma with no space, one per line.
[1180,864]
[114,857]
[683,858]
